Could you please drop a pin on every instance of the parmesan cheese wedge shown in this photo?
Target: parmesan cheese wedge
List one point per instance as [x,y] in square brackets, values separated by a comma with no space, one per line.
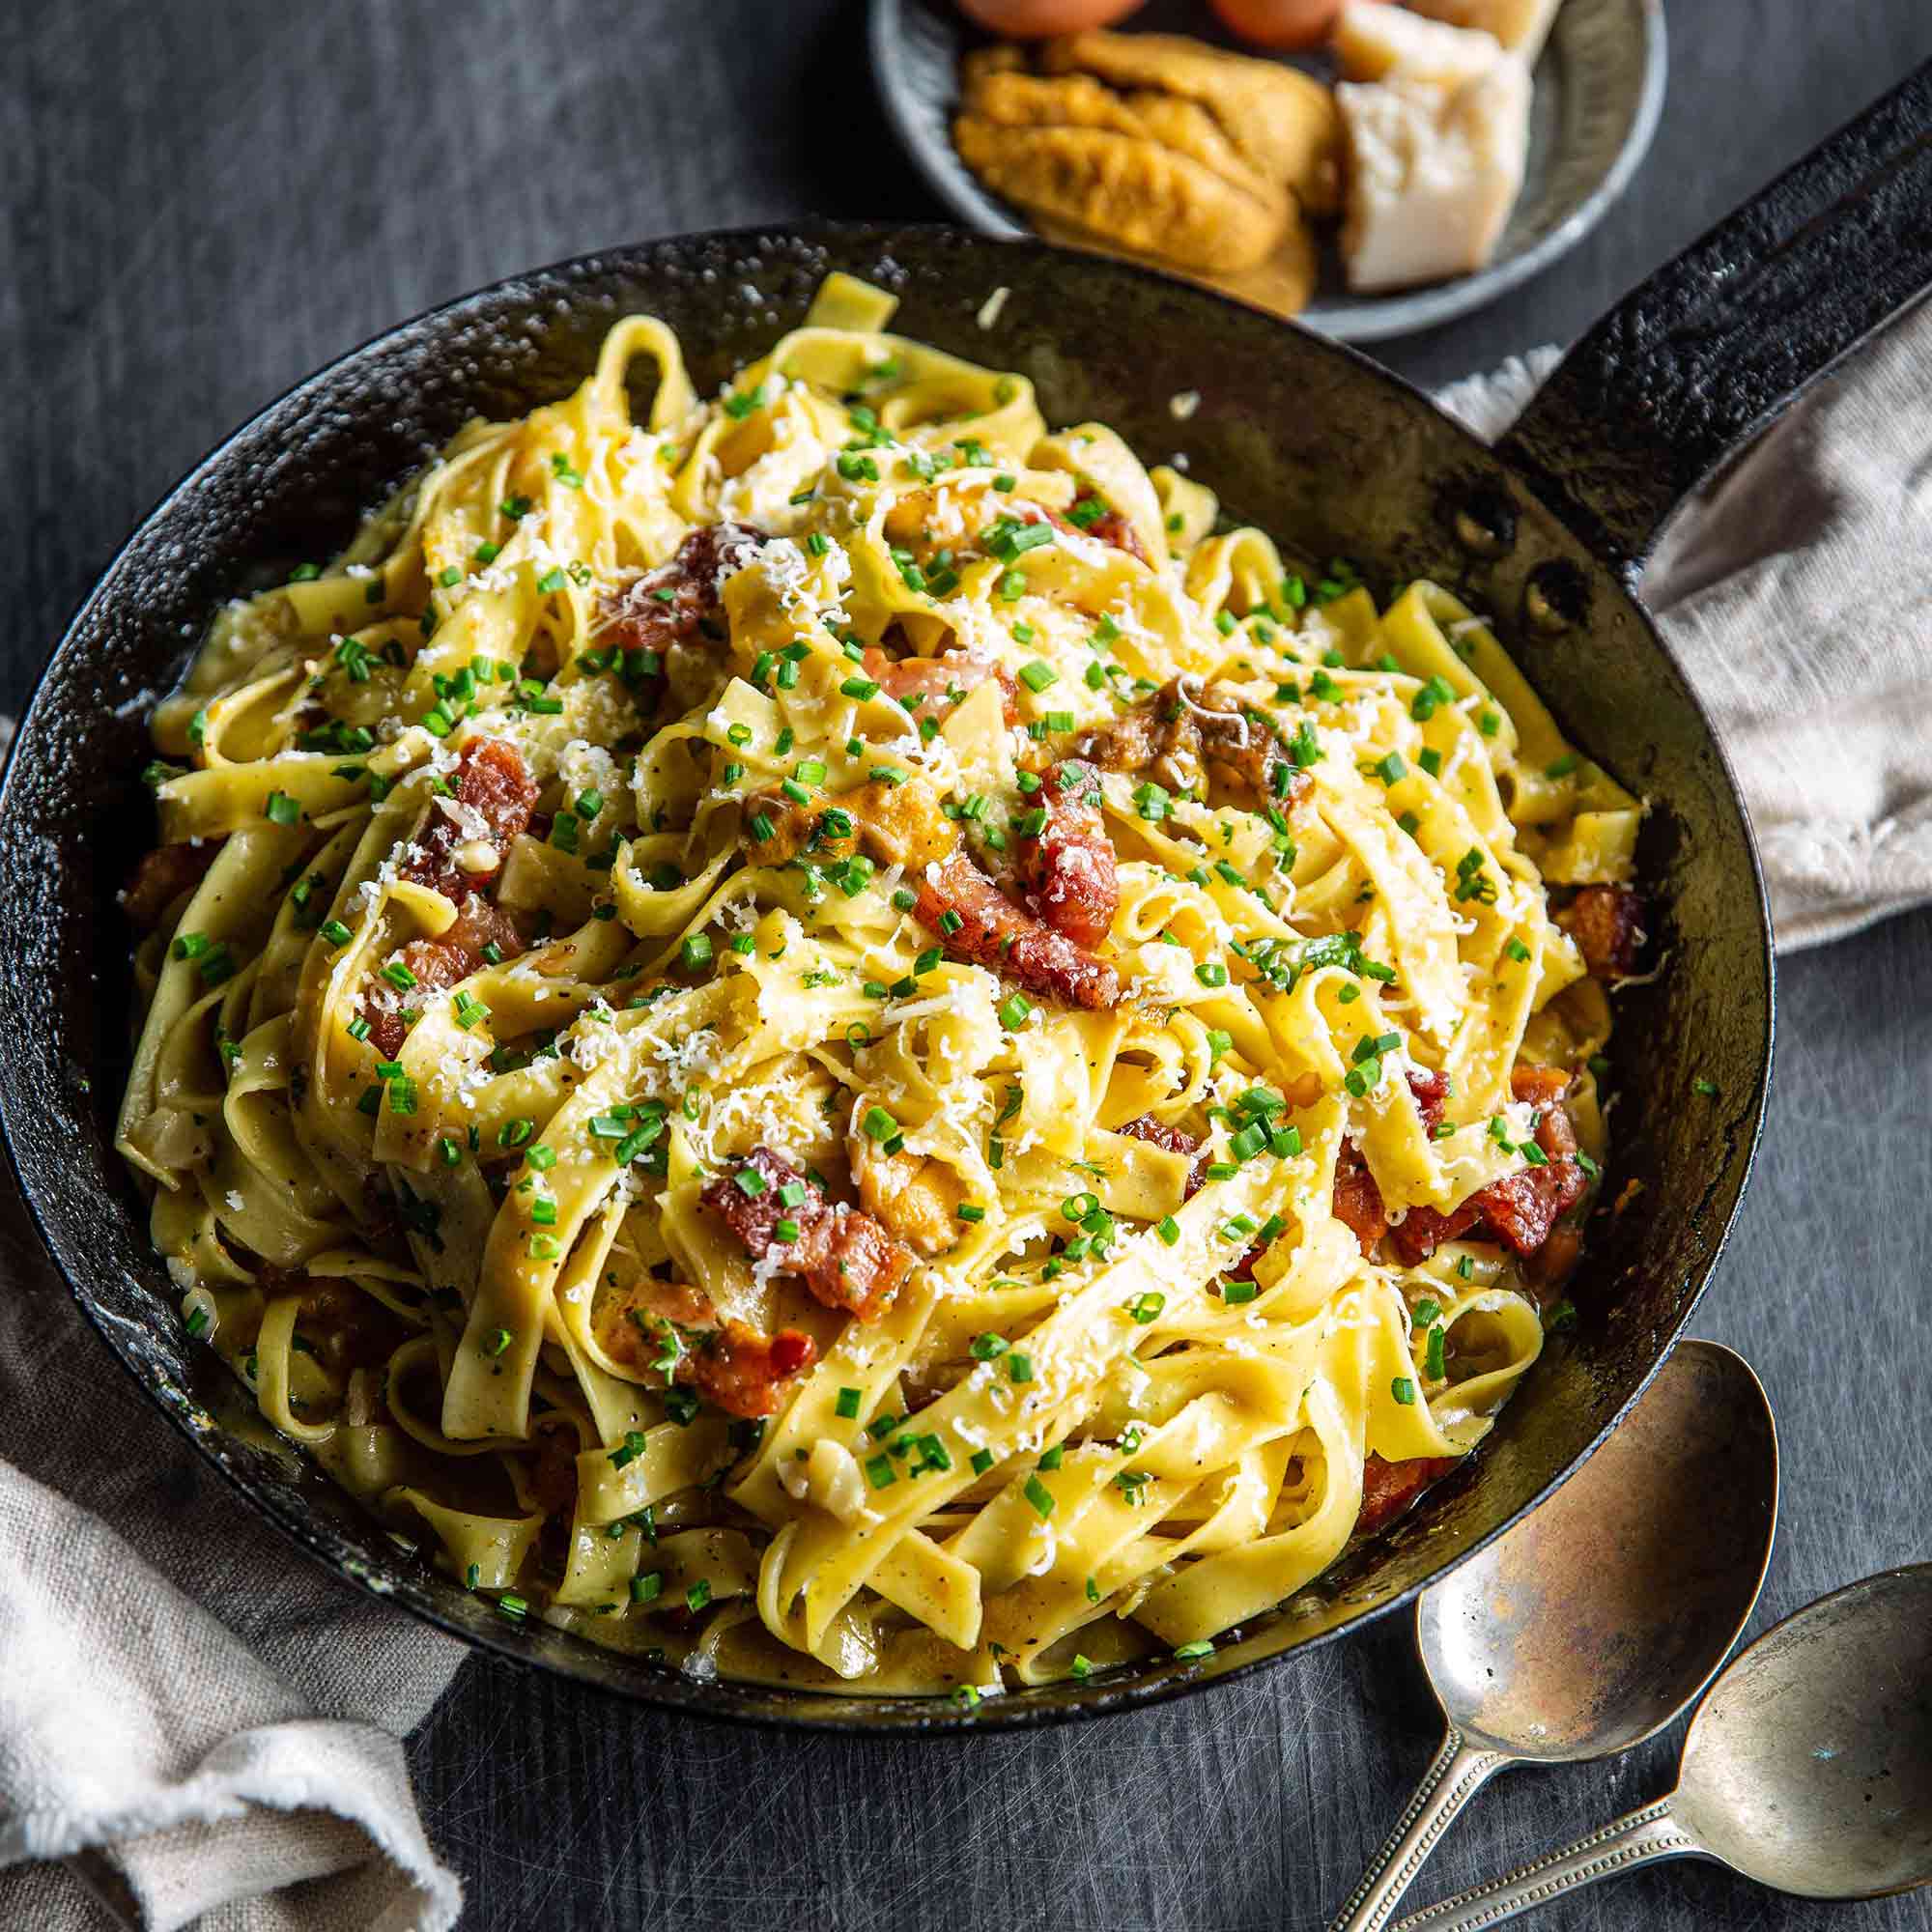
[1520,25]
[1374,41]
[1433,172]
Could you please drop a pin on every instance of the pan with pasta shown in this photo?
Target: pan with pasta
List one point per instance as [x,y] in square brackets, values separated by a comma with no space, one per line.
[841,1035]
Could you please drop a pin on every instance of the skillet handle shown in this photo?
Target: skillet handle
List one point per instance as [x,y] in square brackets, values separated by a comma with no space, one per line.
[1718,341]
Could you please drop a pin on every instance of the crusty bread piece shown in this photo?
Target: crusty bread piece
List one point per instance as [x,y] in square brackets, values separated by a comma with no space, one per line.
[1283,284]
[1153,173]
[1281,120]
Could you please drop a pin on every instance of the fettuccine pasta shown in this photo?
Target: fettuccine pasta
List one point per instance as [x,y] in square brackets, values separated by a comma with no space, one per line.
[837,1036]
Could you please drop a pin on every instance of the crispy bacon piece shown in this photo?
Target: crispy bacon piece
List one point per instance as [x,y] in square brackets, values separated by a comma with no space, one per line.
[1606,922]
[794,830]
[679,603]
[1113,528]
[922,683]
[625,1317]
[1390,1487]
[1067,865]
[990,931]
[740,1369]
[913,1198]
[1357,1199]
[744,1370]
[1430,1091]
[1522,1209]
[1110,526]
[494,796]
[902,824]
[1424,1229]
[1519,1209]
[843,1256]
[1175,1140]
[453,954]
[1551,1266]
[1243,756]
[1150,739]
[1183,735]
[162,876]
[1540,1086]
[898,825]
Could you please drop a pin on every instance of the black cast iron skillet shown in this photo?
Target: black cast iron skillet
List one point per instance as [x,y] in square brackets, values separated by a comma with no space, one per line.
[1310,441]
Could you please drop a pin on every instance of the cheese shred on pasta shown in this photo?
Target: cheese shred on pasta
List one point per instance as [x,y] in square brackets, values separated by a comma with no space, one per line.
[651,1092]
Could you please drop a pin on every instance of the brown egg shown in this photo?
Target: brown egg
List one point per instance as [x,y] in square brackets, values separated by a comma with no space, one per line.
[1035,19]
[1278,23]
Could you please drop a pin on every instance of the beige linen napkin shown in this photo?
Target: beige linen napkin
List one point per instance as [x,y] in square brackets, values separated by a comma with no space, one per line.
[1796,594]
[197,1725]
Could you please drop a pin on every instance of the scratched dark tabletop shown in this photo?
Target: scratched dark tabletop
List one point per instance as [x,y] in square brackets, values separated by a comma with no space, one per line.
[205,198]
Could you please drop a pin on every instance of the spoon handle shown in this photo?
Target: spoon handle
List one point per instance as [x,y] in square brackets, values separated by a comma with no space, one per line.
[1640,1838]
[1455,1774]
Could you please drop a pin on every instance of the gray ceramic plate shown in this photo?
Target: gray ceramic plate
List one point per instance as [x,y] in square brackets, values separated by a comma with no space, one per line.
[1599,91]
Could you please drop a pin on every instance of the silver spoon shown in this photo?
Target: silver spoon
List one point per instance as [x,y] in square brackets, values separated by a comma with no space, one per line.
[1595,1620]
[1808,1768]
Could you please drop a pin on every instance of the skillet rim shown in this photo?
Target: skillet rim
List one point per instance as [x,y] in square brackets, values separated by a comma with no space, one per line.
[552,1651]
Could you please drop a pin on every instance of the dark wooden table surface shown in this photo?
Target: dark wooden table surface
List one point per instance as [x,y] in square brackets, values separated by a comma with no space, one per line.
[205,198]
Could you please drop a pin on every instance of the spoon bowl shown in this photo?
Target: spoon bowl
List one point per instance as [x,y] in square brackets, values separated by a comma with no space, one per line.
[1810,1766]
[1809,1769]
[1600,1615]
